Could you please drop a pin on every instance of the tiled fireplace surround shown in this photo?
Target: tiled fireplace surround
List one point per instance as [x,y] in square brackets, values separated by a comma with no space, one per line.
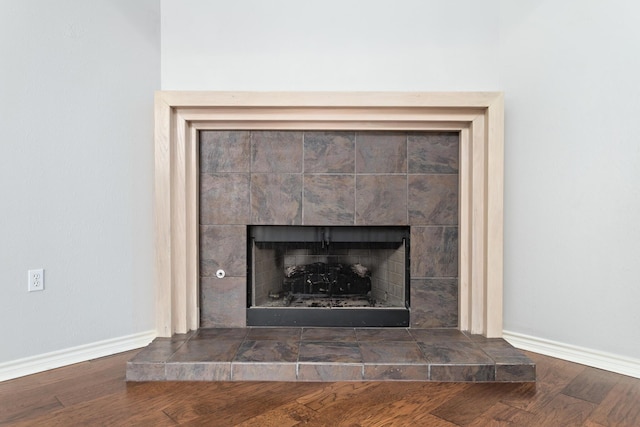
[294,176]
[329,178]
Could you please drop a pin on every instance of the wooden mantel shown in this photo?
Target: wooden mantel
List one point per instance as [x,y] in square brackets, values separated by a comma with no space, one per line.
[478,116]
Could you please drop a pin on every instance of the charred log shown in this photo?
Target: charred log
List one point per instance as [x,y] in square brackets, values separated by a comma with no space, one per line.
[327,279]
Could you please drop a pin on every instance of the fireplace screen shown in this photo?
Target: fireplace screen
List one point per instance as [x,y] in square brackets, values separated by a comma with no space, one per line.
[328,276]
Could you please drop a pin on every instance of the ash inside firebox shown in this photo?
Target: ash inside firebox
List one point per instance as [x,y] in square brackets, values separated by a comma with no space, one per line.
[324,285]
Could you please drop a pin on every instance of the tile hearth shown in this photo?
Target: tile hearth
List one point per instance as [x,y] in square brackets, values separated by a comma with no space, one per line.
[330,354]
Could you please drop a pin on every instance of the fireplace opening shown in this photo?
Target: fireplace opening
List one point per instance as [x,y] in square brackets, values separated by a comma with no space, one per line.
[328,276]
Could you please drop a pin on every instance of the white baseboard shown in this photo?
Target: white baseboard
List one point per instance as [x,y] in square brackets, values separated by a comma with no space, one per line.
[585,356]
[56,359]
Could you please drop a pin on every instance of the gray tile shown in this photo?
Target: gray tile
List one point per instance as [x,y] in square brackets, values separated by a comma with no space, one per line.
[267,351]
[516,372]
[276,151]
[276,199]
[224,151]
[381,152]
[329,372]
[223,302]
[434,303]
[220,333]
[146,371]
[218,350]
[329,200]
[438,335]
[159,350]
[329,334]
[206,371]
[177,337]
[329,152]
[462,373]
[434,252]
[433,152]
[503,352]
[224,198]
[455,353]
[278,334]
[223,247]
[388,352]
[433,199]
[263,371]
[381,199]
[329,351]
[382,334]
[397,372]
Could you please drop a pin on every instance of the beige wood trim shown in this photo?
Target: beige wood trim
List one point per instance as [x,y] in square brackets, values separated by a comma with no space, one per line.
[339,114]
[478,117]
[162,188]
[331,125]
[330,99]
[477,232]
[193,268]
[495,216]
[179,223]
[464,228]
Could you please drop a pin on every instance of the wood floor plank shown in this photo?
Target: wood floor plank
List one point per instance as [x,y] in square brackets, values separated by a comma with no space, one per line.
[289,415]
[501,414]
[23,407]
[386,413]
[553,375]
[407,403]
[621,406]
[89,386]
[48,396]
[138,404]
[591,385]
[104,412]
[471,403]
[380,403]
[54,376]
[187,401]
[63,387]
[333,393]
[238,404]
[563,411]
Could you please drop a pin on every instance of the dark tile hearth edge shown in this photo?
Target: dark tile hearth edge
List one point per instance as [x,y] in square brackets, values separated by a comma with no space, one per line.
[330,354]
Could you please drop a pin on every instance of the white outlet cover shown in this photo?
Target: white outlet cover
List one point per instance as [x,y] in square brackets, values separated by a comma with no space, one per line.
[36,280]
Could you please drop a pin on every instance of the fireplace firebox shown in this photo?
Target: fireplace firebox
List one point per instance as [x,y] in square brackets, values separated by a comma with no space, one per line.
[355,276]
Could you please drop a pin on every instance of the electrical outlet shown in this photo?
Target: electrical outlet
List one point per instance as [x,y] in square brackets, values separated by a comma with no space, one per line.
[36,280]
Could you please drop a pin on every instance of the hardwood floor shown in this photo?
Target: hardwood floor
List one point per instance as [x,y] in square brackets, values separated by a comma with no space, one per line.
[95,393]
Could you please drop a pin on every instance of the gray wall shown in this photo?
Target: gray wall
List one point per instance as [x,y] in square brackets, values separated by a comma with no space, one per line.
[76,178]
[76,171]
[572,189]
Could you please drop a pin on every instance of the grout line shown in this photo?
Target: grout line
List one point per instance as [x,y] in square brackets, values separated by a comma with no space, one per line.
[406,146]
[355,178]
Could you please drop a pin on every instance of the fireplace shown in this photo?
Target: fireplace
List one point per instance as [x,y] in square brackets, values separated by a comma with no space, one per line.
[467,254]
[180,116]
[356,276]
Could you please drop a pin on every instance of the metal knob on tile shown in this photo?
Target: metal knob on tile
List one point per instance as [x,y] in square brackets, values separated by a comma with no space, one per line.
[220,274]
